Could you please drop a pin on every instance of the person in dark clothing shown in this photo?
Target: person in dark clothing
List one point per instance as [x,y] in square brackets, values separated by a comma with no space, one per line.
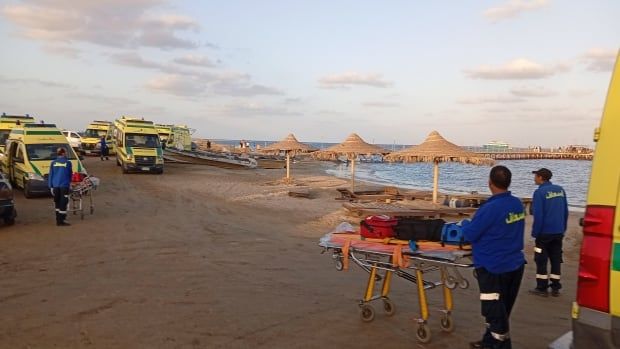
[59,180]
[208,145]
[496,234]
[550,210]
[105,151]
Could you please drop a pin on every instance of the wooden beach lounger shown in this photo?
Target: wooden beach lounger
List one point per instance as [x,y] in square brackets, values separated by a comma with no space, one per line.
[371,209]
[391,193]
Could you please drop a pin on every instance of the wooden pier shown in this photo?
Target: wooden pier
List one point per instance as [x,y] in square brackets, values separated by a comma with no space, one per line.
[525,155]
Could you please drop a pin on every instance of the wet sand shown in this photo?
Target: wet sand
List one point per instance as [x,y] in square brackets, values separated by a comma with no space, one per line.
[202,257]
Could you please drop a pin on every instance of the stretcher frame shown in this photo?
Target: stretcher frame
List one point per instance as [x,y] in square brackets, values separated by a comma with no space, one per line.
[375,262]
[80,192]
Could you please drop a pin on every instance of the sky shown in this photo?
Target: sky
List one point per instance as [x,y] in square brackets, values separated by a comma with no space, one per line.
[528,72]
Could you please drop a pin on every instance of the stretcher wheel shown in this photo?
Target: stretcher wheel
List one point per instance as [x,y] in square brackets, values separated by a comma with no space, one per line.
[423,334]
[447,325]
[388,307]
[367,313]
[451,282]
[339,265]
[464,284]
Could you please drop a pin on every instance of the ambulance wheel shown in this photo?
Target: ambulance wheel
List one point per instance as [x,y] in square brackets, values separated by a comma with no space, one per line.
[339,264]
[451,282]
[464,284]
[447,325]
[367,313]
[27,191]
[118,163]
[423,334]
[388,307]
[10,218]
[124,169]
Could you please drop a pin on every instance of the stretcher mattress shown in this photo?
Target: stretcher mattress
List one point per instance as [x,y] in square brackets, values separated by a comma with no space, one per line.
[426,249]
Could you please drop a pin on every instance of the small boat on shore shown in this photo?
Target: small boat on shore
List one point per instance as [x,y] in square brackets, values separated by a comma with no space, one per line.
[221,160]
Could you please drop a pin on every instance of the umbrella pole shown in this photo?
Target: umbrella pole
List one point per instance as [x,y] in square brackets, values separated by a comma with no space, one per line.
[288,165]
[353,174]
[435,180]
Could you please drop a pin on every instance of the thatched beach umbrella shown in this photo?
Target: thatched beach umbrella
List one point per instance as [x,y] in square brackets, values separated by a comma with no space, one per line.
[437,149]
[352,147]
[290,144]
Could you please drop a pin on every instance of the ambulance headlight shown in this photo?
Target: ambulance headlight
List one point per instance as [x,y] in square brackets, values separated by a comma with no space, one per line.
[129,157]
[34,176]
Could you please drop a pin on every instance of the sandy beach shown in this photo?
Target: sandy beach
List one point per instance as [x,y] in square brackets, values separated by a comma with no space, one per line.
[202,257]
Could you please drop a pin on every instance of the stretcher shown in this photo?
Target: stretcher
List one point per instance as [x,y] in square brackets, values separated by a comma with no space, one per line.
[384,258]
[83,191]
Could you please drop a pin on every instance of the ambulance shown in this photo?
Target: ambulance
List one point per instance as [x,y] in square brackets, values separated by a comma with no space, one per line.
[596,311]
[164,132]
[180,138]
[30,150]
[7,122]
[92,137]
[138,148]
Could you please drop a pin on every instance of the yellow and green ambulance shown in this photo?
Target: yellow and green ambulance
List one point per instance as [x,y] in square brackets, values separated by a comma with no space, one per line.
[8,122]
[92,137]
[164,132]
[138,148]
[30,150]
[180,138]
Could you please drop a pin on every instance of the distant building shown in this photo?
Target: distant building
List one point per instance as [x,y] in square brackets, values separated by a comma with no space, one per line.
[496,146]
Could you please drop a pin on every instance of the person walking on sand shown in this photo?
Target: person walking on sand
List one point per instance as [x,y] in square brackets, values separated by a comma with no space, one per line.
[59,180]
[496,234]
[104,149]
[550,210]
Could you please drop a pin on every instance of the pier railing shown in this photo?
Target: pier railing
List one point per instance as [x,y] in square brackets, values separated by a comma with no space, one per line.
[526,155]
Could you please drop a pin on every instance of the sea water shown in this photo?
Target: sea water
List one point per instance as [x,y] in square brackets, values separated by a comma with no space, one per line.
[457,178]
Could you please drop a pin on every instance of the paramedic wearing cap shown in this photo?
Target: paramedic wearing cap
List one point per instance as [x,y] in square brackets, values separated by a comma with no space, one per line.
[59,181]
[550,210]
[496,234]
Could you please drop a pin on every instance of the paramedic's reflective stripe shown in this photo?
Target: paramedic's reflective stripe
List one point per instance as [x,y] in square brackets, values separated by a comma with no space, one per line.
[537,249]
[554,276]
[59,164]
[62,212]
[540,276]
[500,337]
[489,296]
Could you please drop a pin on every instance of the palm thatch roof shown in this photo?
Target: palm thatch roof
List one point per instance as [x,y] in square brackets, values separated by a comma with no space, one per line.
[435,148]
[351,147]
[290,143]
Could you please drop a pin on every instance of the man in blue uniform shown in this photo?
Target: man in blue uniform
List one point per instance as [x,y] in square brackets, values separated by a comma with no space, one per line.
[59,181]
[104,148]
[496,234]
[550,210]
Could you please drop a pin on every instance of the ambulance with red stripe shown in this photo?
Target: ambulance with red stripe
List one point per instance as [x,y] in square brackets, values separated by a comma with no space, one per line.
[596,312]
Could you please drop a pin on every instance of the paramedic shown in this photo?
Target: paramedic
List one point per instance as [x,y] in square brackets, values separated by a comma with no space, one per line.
[104,149]
[550,210]
[59,181]
[496,233]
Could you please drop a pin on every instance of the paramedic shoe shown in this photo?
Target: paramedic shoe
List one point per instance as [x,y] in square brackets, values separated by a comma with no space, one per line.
[539,292]
[63,224]
[477,345]
[555,293]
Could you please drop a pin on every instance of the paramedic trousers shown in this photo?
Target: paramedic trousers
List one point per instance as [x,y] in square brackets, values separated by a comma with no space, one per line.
[498,293]
[61,201]
[548,249]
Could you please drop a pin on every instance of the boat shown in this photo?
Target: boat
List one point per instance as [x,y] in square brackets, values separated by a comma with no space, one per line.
[221,160]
